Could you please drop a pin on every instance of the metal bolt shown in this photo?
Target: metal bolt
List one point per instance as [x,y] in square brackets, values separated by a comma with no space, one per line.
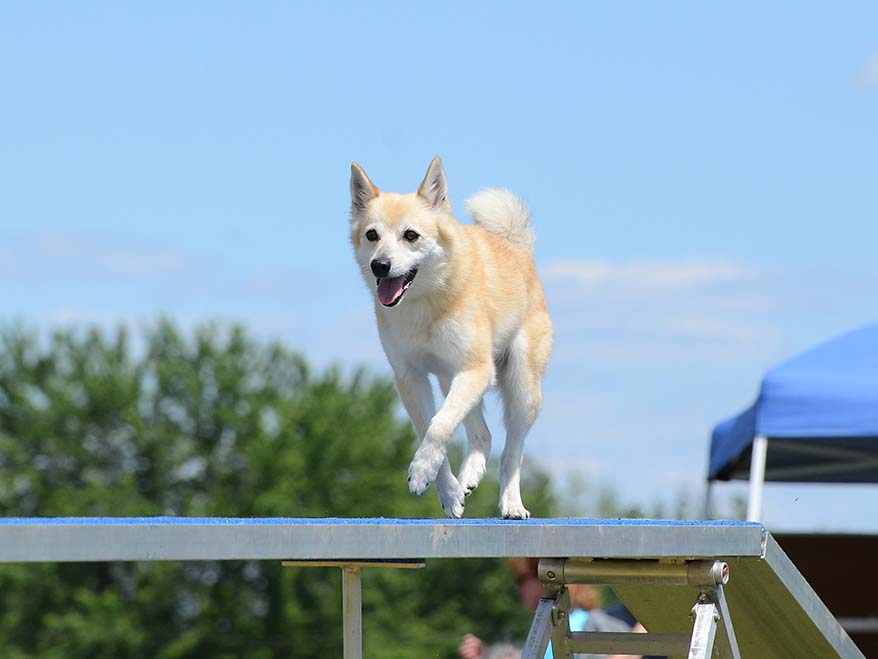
[558,616]
[720,572]
[550,574]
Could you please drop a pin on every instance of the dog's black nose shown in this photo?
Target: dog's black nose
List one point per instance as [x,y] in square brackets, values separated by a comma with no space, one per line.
[380,268]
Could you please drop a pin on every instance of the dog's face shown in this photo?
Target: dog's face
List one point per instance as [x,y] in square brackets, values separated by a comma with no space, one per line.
[398,238]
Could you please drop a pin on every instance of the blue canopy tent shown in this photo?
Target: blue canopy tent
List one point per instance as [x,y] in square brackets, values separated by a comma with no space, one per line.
[815,420]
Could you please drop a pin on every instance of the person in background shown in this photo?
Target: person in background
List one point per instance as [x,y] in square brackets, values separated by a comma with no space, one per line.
[585,614]
[503,651]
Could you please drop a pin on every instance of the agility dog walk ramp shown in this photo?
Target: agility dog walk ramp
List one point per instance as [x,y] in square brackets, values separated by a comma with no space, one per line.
[729,581]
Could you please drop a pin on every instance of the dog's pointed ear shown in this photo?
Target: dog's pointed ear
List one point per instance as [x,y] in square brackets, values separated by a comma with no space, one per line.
[434,187]
[362,189]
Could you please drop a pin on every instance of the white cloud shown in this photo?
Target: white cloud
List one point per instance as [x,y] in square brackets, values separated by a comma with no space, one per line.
[707,328]
[645,275]
[658,311]
[869,75]
[106,255]
[695,310]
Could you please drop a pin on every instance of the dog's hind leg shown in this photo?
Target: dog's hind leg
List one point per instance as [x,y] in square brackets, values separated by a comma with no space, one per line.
[478,438]
[451,494]
[417,398]
[520,380]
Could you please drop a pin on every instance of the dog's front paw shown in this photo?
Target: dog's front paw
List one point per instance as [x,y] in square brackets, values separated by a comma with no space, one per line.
[424,467]
[454,508]
[514,511]
[451,496]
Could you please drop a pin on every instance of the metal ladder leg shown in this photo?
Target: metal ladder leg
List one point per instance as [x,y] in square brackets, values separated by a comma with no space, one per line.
[540,630]
[550,623]
[561,626]
[712,625]
[726,639]
[704,618]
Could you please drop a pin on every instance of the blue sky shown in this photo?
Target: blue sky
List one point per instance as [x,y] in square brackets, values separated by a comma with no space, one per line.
[702,179]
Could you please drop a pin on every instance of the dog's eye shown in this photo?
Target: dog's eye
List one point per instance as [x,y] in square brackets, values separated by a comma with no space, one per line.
[371,235]
[411,236]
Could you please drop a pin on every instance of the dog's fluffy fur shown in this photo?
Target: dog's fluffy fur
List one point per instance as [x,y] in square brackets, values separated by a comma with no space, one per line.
[462,302]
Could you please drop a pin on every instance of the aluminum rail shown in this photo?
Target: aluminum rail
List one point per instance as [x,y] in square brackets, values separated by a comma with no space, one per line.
[76,539]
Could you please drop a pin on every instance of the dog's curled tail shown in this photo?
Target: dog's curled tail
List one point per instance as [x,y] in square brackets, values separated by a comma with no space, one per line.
[500,211]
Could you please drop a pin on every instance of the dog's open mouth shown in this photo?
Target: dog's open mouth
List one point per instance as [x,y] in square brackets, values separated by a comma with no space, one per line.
[391,289]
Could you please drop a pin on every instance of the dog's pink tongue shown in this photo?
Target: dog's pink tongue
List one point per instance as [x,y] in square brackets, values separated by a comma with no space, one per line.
[390,289]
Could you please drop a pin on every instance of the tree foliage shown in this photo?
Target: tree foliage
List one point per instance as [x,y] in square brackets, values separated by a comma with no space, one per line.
[217,423]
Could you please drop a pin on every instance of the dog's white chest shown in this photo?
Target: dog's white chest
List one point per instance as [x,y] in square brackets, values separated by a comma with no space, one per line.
[414,340]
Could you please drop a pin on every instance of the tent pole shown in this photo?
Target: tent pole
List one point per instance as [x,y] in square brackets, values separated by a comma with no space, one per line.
[708,513]
[757,478]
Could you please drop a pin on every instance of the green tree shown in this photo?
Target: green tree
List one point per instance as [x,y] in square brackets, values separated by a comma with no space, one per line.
[219,424]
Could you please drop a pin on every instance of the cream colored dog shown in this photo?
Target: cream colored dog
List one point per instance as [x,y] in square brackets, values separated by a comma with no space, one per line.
[462,302]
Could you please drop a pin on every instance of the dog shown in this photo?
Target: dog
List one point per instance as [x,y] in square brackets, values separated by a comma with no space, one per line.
[461,302]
